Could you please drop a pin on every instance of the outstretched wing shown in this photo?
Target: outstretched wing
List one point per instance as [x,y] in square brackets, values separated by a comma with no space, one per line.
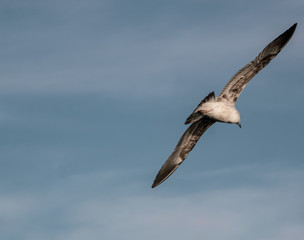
[184,146]
[234,87]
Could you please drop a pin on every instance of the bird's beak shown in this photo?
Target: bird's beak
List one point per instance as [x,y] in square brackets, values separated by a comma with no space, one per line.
[239,124]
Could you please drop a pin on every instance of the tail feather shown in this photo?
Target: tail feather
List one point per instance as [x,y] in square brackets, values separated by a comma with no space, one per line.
[196,115]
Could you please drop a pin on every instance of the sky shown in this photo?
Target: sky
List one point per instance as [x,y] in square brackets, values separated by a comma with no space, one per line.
[93,99]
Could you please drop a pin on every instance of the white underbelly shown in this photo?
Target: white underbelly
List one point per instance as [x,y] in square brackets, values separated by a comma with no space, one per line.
[221,112]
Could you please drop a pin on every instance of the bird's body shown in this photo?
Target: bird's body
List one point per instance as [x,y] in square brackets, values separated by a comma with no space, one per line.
[224,112]
[221,111]
[222,108]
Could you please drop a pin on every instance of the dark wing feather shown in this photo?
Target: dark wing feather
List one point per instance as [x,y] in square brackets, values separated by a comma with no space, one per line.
[234,87]
[184,146]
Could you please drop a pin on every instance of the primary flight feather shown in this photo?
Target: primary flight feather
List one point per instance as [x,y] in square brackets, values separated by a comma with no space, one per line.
[222,108]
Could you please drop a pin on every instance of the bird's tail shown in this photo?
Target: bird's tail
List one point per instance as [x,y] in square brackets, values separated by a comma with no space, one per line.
[194,117]
[197,115]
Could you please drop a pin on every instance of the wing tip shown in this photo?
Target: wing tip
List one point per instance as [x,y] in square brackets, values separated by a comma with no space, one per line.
[275,47]
[291,30]
[155,184]
[294,26]
[163,174]
[287,35]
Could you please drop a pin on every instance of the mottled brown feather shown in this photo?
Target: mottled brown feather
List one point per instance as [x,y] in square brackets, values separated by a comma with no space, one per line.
[184,146]
[237,83]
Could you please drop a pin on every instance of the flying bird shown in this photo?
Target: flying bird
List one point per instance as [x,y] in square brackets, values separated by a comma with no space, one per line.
[222,108]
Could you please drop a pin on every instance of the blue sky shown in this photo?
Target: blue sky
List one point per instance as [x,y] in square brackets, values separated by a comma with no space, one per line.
[93,97]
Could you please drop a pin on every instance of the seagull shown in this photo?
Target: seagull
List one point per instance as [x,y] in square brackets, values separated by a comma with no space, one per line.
[222,108]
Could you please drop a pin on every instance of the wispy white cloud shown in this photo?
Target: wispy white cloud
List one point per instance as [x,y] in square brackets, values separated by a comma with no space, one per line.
[234,213]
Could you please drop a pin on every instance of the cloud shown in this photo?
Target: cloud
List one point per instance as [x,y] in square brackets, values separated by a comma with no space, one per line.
[92,97]
[73,211]
[153,56]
